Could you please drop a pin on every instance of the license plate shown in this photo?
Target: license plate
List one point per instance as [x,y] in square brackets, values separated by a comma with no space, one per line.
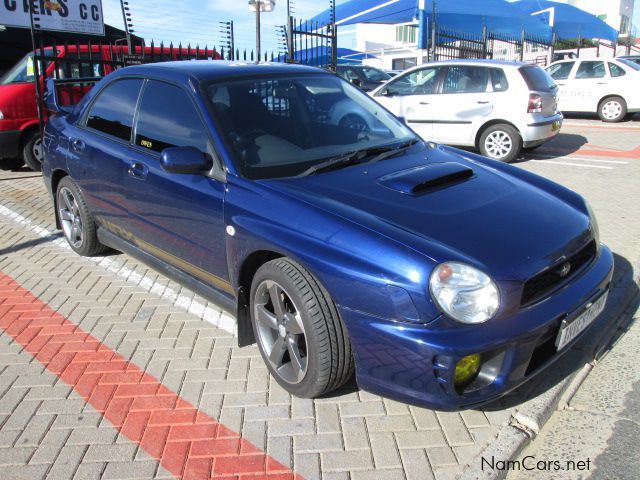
[555,126]
[571,329]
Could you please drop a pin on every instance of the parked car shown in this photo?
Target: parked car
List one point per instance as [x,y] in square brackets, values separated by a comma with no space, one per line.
[631,58]
[493,106]
[20,140]
[365,77]
[606,87]
[443,278]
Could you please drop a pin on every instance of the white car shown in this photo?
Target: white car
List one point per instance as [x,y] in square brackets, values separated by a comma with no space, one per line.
[496,107]
[608,87]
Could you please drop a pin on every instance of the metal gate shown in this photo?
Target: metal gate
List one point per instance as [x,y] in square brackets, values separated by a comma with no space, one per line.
[312,44]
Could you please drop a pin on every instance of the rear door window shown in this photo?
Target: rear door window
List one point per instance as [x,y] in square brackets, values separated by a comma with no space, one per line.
[499,81]
[540,81]
[465,79]
[168,118]
[112,111]
[560,71]
[591,69]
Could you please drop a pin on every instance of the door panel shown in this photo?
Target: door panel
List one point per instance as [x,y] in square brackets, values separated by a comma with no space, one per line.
[178,218]
[98,151]
[463,104]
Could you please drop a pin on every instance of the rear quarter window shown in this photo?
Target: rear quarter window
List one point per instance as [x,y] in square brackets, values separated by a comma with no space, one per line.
[537,79]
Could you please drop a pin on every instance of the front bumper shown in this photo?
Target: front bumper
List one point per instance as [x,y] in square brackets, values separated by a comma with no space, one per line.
[414,363]
[540,130]
[10,144]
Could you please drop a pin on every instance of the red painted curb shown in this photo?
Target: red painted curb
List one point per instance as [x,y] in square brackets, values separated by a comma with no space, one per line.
[186,441]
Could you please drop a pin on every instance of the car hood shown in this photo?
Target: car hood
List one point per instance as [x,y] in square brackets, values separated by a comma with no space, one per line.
[449,207]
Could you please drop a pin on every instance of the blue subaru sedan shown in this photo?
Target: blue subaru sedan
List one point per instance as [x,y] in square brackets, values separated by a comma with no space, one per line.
[342,241]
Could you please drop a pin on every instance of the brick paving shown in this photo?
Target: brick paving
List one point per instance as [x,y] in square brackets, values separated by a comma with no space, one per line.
[51,429]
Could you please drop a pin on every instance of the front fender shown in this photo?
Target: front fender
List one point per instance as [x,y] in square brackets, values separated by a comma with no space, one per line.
[360,270]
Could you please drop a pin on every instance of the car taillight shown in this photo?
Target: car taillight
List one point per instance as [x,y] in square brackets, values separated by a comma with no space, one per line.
[535,103]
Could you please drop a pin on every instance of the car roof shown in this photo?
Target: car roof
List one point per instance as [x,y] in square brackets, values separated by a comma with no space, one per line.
[206,70]
[484,62]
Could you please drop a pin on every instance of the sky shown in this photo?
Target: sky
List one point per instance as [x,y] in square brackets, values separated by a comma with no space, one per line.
[197,21]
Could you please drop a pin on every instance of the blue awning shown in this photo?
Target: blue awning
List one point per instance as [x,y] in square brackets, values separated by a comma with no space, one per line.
[569,22]
[468,16]
[321,54]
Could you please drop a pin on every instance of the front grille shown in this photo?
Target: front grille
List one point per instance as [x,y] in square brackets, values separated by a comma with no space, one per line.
[545,282]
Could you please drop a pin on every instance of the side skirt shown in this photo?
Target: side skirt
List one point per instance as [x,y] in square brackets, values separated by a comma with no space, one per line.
[221,299]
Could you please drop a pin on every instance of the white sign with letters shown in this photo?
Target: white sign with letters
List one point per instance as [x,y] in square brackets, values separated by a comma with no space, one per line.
[78,16]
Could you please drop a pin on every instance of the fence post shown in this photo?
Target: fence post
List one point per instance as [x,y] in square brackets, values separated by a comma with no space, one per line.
[579,45]
[523,39]
[290,29]
[552,49]
[485,40]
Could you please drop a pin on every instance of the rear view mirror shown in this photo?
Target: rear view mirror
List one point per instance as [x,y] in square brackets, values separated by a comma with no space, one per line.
[184,160]
[356,81]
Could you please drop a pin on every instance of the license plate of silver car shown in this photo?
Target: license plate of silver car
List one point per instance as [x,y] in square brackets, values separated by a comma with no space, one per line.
[571,329]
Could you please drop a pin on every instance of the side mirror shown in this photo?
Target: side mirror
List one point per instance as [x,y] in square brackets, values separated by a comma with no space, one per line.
[404,121]
[184,160]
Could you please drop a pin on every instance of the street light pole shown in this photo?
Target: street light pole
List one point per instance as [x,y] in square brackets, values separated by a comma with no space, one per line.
[258,53]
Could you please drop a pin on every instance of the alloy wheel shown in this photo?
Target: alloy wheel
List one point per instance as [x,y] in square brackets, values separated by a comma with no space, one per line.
[498,144]
[280,331]
[70,219]
[36,149]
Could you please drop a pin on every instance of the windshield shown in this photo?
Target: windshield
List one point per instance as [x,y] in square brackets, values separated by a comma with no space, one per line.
[24,70]
[374,75]
[282,126]
[629,63]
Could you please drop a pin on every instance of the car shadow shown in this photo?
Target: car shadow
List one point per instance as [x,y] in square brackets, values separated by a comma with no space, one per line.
[615,320]
[594,116]
[562,144]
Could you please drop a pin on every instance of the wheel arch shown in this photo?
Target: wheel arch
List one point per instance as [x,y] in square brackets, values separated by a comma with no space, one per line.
[26,132]
[56,176]
[490,124]
[607,96]
[247,271]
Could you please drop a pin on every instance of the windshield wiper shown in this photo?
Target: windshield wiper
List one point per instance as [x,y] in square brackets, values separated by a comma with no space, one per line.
[352,158]
[393,151]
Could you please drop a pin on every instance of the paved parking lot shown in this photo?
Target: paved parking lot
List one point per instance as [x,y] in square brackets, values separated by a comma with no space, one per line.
[110,370]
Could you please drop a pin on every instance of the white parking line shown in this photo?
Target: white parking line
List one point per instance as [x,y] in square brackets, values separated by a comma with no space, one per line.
[580,165]
[218,318]
[582,159]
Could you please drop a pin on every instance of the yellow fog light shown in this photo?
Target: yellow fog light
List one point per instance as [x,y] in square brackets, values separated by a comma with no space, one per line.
[466,369]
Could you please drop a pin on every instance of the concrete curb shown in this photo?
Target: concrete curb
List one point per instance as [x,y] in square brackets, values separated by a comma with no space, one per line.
[533,414]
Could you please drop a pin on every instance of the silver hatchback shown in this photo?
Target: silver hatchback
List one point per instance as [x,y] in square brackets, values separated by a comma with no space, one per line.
[496,107]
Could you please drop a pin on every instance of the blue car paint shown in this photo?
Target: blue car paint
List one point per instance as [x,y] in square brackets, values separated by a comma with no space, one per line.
[372,247]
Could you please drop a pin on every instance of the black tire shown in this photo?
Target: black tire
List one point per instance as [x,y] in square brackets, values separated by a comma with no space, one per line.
[329,359]
[11,163]
[88,244]
[30,146]
[506,146]
[612,109]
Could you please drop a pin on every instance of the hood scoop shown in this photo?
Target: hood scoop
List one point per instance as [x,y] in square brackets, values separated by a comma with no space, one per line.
[426,178]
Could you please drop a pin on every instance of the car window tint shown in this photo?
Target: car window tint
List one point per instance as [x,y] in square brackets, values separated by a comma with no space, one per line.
[465,80]
[591,70]
[168,118]
[616,71]
[537,79]
[112,112]
[560,71]
[499,80]
[418,82]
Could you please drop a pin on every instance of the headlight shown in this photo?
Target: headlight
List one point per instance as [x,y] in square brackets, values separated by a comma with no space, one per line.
[1,115]
[594,222]
[464,293]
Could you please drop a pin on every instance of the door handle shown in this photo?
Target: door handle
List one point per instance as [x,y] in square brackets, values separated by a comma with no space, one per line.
[483,102]
[425,103]
[603,83]
[138,170]
[77,145]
